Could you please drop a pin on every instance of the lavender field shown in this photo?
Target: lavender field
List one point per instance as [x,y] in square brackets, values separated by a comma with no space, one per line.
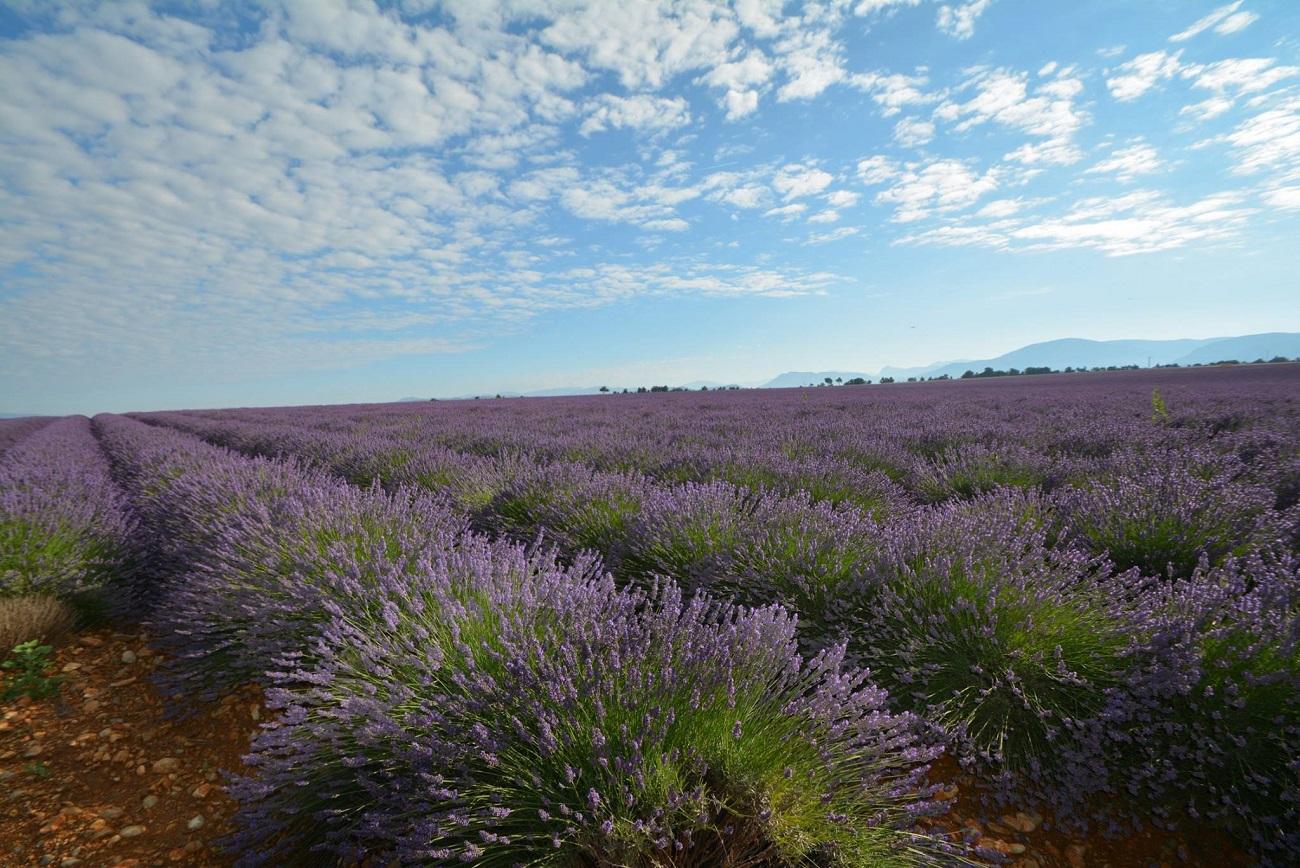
[709,628]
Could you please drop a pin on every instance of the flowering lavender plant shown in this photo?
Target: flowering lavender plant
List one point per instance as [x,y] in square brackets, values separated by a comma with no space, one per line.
[1163,512]
[507,710]
[972,618]
[65,529]
[251,550]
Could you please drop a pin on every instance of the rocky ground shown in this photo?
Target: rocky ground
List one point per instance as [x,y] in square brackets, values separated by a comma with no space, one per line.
[100,776]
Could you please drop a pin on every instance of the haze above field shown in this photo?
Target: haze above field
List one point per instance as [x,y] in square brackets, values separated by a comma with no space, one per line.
[328,202]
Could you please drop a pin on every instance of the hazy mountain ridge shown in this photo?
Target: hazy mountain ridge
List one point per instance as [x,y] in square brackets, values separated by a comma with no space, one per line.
[1056,354]
[1085,353]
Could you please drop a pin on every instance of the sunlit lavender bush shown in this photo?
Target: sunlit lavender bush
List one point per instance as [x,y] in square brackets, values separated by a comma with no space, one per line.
[755,548]
[575,507]
[972,618]
[502,710]
[1162,512]
[252,550]
[65,529]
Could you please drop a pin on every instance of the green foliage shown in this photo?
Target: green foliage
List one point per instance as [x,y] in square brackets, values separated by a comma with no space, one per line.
[27,663]
[1008,661]
[35,559]
[972,477]
[1159,410]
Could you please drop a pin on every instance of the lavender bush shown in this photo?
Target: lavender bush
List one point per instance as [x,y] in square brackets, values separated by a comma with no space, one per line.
[65,530]
[12,431]
[505,710]
[1216,731]
[971,617]
[1162,513]
[251,551]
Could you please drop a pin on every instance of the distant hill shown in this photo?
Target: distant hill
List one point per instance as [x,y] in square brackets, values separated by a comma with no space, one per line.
[1245,349]
[791,379]
[1083,353]
[1057,354]
[1080,353]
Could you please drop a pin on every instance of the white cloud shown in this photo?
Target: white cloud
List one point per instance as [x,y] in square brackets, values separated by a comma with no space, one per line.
[1234,23]
[812,61]
[869,7]
[1000,208]
[794,181]
[1129,162]
[1208,108]
[895,91]
[1137,223]
[741,80]
[1269,141]
[672,224]
[745,197]
[644,44]
[1142,223]
[911,132]
[1243,75]
[1004,97]
[959,21]
[1231,79]
[1142,73]
[877,169]
[640,112]
[1286,198]
[740,103]
[842,199]
[1224,20]
[834,235]
[787,212]
[920,190]
[830,215]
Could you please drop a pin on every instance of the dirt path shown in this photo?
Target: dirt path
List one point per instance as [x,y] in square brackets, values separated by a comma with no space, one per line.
[99,777]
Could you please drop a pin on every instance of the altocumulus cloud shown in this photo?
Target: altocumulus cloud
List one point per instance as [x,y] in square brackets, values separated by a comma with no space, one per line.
[319,184]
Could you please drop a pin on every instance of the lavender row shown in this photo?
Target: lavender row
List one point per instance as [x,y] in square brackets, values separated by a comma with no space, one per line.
[65,529]
[450,698]
[14,430]
[929,442]
[1021,624]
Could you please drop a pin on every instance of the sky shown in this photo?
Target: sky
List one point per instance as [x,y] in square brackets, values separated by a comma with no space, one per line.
[228,204]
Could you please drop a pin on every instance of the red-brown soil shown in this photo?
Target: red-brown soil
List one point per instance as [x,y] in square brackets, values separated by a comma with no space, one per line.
[100,777]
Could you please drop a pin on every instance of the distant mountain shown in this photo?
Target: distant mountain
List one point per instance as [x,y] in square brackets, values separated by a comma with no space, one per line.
[1245,349]
[1081,353]
[791,379]
[1078,353]
[1058,354]
[923,371]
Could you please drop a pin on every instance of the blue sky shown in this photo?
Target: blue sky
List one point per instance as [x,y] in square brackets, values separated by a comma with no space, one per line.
[219,204]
